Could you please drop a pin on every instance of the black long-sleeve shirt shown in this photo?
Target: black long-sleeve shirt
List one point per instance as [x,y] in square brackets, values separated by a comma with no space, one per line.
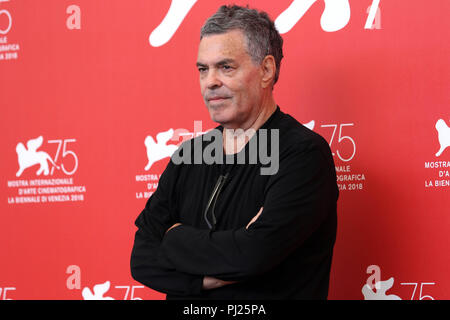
[285,254]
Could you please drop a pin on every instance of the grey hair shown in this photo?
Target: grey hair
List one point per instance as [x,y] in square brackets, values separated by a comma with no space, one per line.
[262,37]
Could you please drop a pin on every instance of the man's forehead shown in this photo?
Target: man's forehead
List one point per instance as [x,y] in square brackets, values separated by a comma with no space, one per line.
[226,46]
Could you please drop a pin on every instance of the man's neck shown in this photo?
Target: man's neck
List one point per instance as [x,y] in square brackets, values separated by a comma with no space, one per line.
[257,120]
[235,139]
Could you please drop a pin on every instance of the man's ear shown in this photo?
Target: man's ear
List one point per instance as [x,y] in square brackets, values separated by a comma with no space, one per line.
[268,69]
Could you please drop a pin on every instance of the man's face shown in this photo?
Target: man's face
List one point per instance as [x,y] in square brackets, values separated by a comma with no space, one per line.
[230,81]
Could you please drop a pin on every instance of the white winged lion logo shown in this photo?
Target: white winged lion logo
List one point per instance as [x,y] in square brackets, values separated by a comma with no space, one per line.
[160,149]
[28,157]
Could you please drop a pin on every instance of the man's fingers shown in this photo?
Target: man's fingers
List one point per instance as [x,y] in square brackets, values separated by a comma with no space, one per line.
[259,212]
[213,283]
[175,225]
[255,217]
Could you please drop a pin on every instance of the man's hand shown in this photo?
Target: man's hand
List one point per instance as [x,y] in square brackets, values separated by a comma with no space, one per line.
[175,225]
[213,283]
[251,221]
[254,218]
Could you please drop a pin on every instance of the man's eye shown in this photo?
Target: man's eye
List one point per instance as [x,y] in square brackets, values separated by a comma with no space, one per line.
[225,67]
[201,70]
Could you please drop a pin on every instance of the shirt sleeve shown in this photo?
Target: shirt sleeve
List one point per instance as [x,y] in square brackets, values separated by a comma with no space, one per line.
[297,200]
[147,264]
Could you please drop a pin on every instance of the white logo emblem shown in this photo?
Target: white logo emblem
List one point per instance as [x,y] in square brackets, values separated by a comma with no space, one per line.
[30,156]
[309,125]
[174,17]
[335,16]
[160,149]
[380,293]
[443,136]
[99,291]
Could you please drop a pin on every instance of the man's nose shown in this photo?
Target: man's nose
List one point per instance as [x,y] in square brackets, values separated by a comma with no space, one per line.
[213,80]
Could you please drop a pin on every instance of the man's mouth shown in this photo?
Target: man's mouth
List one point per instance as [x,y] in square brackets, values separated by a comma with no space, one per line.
[217,98]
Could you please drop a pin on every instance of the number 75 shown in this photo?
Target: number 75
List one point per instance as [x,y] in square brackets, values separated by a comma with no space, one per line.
[415,284]
[132,297]
[65,153]
[341,138]
[4,292]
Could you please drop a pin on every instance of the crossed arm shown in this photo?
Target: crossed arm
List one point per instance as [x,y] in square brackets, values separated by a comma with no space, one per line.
[181,259]
[211,282]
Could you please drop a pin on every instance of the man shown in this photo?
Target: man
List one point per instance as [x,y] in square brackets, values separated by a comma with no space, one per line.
[230,230]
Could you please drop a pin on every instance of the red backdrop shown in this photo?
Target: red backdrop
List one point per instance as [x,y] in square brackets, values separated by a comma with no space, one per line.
[84,76]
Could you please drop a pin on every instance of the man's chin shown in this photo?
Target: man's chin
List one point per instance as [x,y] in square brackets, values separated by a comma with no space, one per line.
[219,113]
[220,119]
